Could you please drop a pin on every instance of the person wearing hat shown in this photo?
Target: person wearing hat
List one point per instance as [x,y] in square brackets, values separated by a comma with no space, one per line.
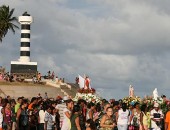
[156,116]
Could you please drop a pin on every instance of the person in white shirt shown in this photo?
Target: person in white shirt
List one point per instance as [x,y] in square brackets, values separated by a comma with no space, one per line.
[41,117]
[67,114]
[123,117]
[156,116]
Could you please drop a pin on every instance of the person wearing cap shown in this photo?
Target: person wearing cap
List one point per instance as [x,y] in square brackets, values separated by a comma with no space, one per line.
[156,116]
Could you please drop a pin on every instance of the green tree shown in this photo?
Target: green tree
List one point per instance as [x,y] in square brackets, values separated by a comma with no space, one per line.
[7,21]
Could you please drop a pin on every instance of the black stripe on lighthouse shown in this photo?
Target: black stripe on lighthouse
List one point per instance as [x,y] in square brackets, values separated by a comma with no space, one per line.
[24,53]
[25,35]
[25,44]
[25,26]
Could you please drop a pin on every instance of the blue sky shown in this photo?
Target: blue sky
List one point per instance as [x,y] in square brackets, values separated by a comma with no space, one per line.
[116,43]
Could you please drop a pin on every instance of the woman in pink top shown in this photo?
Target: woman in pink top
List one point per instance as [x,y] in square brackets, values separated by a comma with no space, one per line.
[7,116]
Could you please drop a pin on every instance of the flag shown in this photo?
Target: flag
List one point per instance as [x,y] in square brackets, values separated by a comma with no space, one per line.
[81,81]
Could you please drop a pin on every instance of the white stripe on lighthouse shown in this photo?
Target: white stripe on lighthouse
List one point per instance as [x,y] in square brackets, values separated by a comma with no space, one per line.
[24,48]
[24,59]
[25,31]
[25,39]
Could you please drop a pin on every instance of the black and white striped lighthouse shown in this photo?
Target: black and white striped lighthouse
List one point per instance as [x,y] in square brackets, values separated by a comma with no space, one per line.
[24,64]
[25,21]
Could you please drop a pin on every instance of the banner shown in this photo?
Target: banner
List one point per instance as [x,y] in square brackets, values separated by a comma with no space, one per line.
[81,81]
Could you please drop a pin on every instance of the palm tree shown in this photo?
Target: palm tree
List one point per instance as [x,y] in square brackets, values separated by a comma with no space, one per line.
[6,21]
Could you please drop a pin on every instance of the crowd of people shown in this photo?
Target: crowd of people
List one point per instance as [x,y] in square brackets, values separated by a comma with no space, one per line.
[28,115]
[9,77]
[114,115]
[44,114]
[6,76]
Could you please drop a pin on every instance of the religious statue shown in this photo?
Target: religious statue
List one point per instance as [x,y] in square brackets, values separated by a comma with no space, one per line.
[131,91]
[155,94]
[87,83]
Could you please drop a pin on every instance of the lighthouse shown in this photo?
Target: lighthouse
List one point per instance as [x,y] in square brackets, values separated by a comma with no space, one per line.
[24,66]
